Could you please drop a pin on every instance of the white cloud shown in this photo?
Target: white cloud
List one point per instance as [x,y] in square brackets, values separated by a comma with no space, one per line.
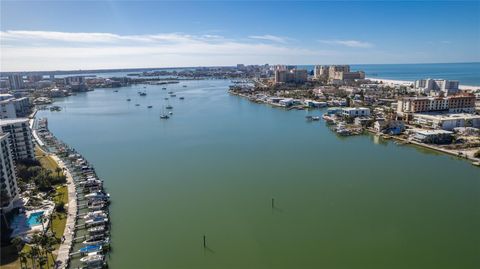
[278,39]
[42,50]
[348,43]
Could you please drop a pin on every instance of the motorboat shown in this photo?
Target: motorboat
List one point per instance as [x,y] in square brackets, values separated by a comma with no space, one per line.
[96,221]
[97,230]
[93,259]
[181,98]
[90,249]
[173,95]
[164,116]
[97,205]
[149,106]
[95,214]
[129,99]
[170,92]
[164,88]
[115,91]
[96,241]
[137,104]
[169,107]
[97,196]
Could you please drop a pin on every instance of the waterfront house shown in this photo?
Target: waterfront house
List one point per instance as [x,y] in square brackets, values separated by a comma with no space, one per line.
[354,112]
[286,102]
[432,136]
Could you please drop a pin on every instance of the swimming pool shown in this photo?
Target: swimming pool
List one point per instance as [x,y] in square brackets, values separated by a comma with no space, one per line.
[34,219]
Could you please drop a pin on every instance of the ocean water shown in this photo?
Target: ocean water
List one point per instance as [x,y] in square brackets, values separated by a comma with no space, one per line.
[466,73]
[213,168]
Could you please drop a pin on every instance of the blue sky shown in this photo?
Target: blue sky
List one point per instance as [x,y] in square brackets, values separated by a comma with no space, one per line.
[54,35]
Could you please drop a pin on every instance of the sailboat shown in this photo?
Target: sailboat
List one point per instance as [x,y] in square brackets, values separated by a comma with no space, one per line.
[163,115]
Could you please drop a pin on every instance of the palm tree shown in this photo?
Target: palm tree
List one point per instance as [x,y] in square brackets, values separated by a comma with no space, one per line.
[58,170]
[33,255]
[23,259]
[42,261]
[43,219]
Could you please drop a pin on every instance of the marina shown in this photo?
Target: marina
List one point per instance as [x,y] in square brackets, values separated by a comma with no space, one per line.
[88,222]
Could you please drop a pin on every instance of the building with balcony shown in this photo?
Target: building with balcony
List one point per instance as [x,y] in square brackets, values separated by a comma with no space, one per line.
[21,142]
[8,181]
[462,103]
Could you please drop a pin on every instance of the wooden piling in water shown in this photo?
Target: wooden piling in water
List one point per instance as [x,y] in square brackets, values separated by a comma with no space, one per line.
[204,241]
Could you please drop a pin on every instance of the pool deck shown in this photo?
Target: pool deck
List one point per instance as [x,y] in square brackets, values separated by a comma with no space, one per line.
[63,254]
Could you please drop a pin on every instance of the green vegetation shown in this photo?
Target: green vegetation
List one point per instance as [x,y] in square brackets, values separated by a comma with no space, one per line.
[48,178]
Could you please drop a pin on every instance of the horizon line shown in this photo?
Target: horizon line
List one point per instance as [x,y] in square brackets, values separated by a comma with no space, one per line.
[104,70]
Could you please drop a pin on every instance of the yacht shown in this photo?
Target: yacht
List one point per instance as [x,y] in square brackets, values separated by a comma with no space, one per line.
[164,88]
[149,106]
[96,221]
[90,249]
[93,259]
[96,241]
[129,99]
[172,95]
[181,98]
[137,104]
[169,107]
[170,92]
[164,116]
[97,230]
[95,214]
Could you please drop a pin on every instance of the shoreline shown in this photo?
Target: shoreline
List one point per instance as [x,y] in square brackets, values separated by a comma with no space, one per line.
[63,252]
[408,82]
[472,160]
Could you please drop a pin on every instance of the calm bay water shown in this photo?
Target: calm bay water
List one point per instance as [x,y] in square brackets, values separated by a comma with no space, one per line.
[214,167]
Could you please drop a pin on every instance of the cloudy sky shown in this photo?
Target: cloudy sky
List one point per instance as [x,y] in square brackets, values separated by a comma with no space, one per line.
[55,35]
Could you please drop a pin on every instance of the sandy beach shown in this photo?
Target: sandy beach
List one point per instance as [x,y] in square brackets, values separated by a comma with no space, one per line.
[408,83]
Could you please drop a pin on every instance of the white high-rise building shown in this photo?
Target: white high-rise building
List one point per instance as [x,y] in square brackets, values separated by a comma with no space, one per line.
[8,179]
[438,86]
[21,143]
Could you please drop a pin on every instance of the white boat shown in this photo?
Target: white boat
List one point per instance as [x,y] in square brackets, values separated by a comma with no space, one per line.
[96,241]
[97,230]
[97,196]
[93,258]
[96,221]
[95,214]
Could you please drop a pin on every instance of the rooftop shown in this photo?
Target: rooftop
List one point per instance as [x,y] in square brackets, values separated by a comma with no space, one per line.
[4,122]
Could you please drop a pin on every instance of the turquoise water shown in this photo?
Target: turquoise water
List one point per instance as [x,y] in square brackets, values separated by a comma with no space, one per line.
[213,168]
[466,73]
[34,219]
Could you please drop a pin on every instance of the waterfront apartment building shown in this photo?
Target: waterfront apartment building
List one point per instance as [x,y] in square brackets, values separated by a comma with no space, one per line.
[11,107]
[446,87]
[7,109]
[8,180]
[290,74]
[321,72]
[463,103]
[21,142]
[16,82]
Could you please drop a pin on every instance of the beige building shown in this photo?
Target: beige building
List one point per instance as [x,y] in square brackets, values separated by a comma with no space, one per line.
[464,103]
